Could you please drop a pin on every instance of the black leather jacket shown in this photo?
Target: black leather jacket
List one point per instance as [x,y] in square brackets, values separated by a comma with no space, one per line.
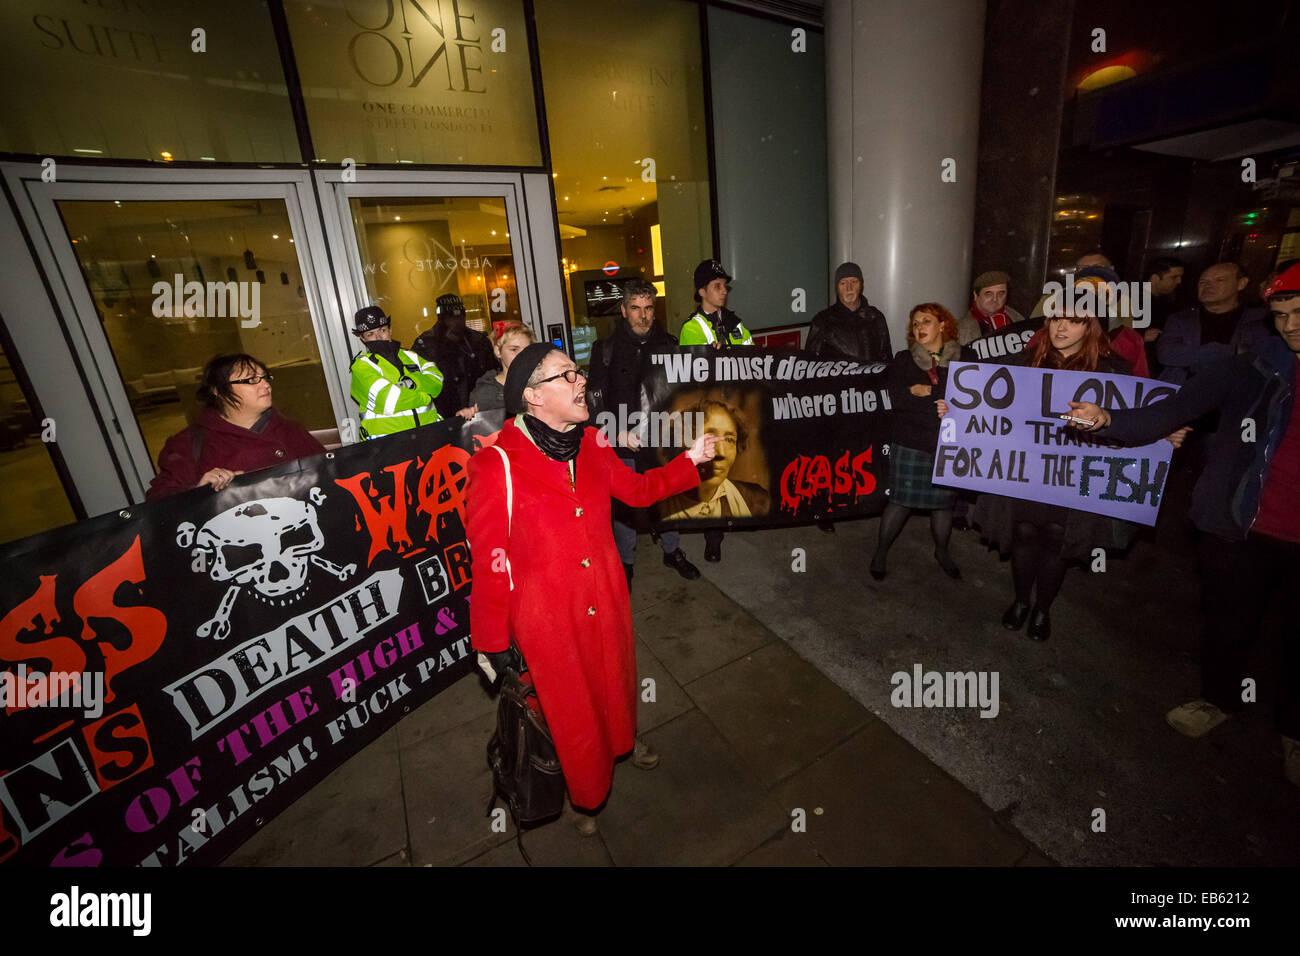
[861,335]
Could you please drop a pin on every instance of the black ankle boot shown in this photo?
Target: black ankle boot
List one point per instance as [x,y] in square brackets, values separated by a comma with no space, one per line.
[1040,625]
[946,562]
[878,566]
[1014,618]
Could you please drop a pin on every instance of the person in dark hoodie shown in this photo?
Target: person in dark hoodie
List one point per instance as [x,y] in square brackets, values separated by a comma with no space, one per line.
[852,328]
[1246,506]
[461,354]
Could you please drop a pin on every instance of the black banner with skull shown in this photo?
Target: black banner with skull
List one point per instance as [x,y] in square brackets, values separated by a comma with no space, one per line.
[174,675]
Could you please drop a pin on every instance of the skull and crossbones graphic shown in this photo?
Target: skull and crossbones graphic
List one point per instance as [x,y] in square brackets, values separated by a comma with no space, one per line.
[268,544]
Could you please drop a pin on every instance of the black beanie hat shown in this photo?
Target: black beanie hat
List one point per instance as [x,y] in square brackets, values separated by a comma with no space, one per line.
[521,370]
[848,270]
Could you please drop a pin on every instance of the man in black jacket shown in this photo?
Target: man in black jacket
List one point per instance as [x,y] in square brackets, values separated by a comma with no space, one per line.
[615,393]
[461,354]
[1247,508]
[852,328]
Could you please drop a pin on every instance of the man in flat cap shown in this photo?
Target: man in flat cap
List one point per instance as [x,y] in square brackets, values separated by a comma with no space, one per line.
[988,308]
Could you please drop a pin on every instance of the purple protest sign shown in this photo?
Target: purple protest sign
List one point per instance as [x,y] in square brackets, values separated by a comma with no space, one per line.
[1004,435]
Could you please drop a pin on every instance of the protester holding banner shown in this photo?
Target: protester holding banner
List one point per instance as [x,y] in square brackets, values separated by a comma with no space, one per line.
[547,577]
[489,391]
[1246,506]
[851,327]
[616,387]
[1043,539]
[917,379]
[238,430]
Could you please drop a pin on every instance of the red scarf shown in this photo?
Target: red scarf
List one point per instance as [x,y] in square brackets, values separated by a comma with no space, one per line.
[991,323]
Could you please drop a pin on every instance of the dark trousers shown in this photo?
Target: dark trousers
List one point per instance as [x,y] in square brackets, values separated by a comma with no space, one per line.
[1239,582]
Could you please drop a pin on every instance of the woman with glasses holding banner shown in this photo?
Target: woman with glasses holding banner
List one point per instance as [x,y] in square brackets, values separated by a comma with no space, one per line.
[237,430]
[1044,539]
[916,379]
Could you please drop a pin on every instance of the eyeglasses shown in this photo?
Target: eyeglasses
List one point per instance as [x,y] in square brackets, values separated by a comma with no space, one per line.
[255,380]
[569,375]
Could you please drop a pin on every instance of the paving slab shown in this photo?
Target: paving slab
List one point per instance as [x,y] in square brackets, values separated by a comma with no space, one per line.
[876,801]
[776,710]
[552,844]
[447,785]
[700,807]
[354,817]
[670,700]
[694,637]
[462,702]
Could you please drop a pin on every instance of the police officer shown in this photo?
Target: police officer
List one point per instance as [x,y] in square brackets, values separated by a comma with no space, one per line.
[394,387]
[713,323]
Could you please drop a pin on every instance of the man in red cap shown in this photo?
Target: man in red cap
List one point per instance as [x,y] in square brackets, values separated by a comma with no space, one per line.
[1247,508]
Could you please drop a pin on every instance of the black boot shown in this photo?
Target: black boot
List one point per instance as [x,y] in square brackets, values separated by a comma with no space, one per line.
[1040,625]
[1014,618]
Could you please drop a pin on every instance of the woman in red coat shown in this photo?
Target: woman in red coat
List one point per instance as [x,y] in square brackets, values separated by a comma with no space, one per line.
[237,431]
[548,576]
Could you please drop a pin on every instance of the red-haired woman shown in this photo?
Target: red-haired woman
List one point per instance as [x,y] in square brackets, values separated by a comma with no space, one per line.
[917,378]
[1044,539]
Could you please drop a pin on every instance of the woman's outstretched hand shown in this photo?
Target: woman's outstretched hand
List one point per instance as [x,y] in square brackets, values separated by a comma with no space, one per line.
[704,449]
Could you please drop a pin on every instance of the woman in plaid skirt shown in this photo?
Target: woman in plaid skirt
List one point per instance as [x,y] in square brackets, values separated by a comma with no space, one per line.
[917,379]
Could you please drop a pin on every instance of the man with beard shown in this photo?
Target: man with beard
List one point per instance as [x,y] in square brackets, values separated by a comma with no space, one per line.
[394,387]
[851,329]
[461,354]
[615,387]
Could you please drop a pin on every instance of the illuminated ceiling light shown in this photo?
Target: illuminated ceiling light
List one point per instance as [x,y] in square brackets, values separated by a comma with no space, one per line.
[211,159]
[117,202]
[275,235]
[166,155]
[494,232]
[566,198]
[397,219]
[291,240]
[553,175]
[93,152]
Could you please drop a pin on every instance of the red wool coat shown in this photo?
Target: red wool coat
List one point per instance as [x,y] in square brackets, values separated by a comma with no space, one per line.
[226,445]
[569,612]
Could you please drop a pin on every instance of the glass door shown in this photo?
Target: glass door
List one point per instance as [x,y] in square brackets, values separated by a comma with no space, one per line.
[406,239]
[160,276]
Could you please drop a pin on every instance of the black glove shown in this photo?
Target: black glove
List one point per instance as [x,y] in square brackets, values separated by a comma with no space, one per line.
[504,661]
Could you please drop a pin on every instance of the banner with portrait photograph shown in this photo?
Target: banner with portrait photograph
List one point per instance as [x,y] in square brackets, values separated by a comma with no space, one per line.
[175,674]
[802,440]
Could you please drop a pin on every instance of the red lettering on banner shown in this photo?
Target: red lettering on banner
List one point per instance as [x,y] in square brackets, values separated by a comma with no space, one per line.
[458,564]
[119,733]
[442,485]
[94,599]
[39,612]
[147,625]
[386,523]
[805,478]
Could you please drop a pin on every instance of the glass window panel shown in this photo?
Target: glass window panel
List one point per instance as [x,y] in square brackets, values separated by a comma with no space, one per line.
[34,500]
[416,249]
[241,291]
[120,79]
[416,81]
[624,85]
